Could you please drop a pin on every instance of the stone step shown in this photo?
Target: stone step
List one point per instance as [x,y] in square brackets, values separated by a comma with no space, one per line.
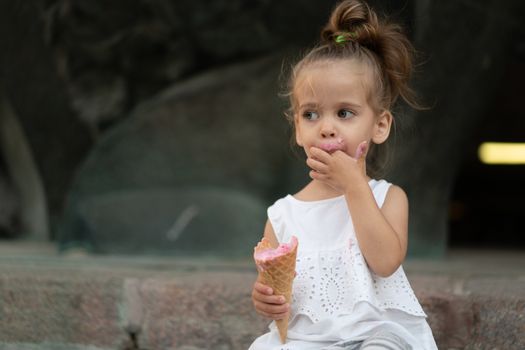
[95,303]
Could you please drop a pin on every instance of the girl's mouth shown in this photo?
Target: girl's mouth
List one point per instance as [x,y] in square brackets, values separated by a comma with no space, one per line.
[332,146]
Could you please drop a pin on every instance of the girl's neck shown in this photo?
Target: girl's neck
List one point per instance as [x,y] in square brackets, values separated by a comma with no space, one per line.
[317,190]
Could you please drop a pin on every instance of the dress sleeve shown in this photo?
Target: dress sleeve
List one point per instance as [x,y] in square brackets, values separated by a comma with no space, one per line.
[380,190]
[276,219]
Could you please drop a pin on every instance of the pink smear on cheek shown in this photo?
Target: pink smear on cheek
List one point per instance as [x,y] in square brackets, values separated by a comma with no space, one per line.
[361,149]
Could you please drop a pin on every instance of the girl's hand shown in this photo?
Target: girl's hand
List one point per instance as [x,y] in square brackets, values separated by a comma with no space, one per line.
[268,305]
[339,170]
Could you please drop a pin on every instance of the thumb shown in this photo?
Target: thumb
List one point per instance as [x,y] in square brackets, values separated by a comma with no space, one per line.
[360,154]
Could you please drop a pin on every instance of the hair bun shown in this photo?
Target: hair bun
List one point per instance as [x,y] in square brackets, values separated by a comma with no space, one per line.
[355,21]
[354,17]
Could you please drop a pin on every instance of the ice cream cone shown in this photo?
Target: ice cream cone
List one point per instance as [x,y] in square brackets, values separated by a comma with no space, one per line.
[277,269]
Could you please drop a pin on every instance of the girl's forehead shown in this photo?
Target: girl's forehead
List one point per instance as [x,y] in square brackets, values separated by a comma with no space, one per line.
[339,64]
[332,78]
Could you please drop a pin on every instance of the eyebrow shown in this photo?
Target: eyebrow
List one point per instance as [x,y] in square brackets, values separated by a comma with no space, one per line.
[349,104]
[308,105]
[340,105]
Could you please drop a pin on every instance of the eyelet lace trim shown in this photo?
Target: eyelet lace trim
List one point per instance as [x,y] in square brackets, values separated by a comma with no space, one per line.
[330,283]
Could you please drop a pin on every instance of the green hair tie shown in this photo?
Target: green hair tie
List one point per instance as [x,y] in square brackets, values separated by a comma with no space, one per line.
[342,38]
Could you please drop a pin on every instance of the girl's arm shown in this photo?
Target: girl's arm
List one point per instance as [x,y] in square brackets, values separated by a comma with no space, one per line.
[381,233]
[265,302]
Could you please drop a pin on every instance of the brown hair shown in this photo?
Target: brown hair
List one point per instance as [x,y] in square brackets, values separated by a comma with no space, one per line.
[354,31]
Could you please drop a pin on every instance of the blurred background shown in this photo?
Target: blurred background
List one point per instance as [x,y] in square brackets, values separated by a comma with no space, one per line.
[156,126]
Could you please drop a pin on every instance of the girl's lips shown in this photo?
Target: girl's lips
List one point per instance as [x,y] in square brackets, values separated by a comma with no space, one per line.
[332,146]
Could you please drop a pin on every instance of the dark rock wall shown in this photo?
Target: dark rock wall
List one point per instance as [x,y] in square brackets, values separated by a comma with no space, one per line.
[466,47]
[125,96]
[115,54]
[40,100]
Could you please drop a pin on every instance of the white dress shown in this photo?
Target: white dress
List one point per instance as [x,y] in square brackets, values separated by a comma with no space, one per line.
[335,296]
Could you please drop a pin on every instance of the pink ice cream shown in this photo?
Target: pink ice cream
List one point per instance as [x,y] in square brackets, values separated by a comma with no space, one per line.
[265,256]
[276,268]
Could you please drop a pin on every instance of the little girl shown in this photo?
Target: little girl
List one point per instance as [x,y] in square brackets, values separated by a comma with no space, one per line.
[350,291]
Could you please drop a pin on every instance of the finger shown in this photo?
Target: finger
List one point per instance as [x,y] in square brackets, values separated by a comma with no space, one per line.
[271,308]
[317,175]
[316,165]
[272,316]
[278,316]
[272,311]
[268,299]
[320,155]
[360,155]
[361,151]
[262,288]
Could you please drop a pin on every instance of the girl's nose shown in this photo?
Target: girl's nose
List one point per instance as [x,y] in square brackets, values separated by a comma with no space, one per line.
[326,134]
[327,130]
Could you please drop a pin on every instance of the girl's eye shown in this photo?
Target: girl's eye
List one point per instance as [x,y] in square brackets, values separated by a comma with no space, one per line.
[345,114]
[310,115]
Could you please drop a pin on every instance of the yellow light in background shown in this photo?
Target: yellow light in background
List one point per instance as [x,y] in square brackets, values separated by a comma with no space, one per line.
[502,153]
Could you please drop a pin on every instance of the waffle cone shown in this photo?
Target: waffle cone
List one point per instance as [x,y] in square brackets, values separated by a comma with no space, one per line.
[278,273]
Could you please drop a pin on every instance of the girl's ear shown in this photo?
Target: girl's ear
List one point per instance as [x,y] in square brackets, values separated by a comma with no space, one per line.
[382,127]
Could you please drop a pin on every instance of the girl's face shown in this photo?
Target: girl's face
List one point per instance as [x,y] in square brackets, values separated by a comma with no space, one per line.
[332,109]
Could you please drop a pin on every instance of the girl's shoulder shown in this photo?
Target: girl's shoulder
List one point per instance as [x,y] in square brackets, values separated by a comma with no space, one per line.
[385,191]
[395,201]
